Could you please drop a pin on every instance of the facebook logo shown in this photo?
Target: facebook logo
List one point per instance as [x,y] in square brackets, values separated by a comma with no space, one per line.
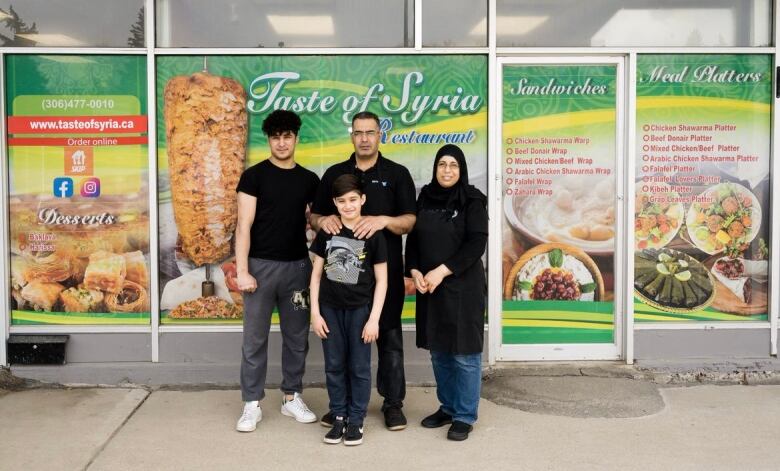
[63,187]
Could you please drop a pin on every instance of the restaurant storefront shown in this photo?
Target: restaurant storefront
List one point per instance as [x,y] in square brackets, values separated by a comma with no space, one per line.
[627,150]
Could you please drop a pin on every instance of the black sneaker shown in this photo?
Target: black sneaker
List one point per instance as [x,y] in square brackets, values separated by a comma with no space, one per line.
[327,419]
[337,432]
[459,431]
[394,418]
[353,435]
[437,419]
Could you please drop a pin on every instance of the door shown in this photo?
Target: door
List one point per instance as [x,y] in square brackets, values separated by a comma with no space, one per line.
[562,161]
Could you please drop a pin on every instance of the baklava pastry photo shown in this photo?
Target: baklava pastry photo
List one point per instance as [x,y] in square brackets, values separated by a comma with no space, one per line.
[106,272]
[81,300]
[131,298]
[135,265]
[42,295]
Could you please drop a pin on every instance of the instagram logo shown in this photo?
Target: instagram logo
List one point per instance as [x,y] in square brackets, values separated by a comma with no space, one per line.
[90,187]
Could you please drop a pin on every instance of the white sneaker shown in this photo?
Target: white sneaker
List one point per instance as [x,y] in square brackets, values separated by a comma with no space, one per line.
[297,408]
[250,417]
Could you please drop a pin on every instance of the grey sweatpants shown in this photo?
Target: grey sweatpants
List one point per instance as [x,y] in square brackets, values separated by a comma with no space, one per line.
[279,284]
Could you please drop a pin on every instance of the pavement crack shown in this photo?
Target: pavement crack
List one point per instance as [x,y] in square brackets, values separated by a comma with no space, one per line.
[117,430]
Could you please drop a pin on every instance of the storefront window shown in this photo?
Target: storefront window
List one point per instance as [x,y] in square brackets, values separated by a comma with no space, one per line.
[454,23]
[78,189]
[75,23]
[559,155]
[693,23]
[267,23]
[423,102]
[702,212]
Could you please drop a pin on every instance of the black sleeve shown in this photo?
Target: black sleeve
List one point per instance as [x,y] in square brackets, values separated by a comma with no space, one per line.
[313,185]
[412,254]
[318,244]
[248,183]
[405,196]
[380,248]
[475,239]
[323,203]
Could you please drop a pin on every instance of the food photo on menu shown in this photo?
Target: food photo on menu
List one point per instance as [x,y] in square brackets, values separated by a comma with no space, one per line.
[63,267]
[559,246]
[704,250]
[206,142]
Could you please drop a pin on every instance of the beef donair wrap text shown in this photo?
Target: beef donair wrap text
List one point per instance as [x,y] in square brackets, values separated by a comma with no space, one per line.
[206,128]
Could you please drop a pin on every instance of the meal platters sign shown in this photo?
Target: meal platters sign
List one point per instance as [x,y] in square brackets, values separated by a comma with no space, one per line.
[701,219]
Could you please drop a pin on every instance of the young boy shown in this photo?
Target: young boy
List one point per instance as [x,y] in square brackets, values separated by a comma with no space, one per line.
[345,308]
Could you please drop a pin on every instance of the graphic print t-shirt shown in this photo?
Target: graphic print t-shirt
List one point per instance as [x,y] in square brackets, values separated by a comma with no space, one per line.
[348,278]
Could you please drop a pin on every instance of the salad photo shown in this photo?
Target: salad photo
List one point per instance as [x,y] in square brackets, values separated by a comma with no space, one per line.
[725,217]
[656,220]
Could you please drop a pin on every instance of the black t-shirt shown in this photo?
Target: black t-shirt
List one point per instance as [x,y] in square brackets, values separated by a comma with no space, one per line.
[279,229]
[389,191]
[348,281]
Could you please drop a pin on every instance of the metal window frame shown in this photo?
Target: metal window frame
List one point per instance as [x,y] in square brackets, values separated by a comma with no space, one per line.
[154,222]
[774,234]
[493,52]
[5,256]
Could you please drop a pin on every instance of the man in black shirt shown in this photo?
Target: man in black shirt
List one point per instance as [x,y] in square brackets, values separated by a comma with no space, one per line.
[390,207]
[273,268]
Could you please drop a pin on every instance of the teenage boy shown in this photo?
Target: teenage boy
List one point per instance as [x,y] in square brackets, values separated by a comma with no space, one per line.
[345,309]
[390,209]
[274,268]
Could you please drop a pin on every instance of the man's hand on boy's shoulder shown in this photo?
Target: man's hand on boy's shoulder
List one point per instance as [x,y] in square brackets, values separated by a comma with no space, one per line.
[330,224]
[369,225]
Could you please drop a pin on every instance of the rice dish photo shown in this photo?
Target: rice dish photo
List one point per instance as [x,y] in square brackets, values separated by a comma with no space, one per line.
[554,272]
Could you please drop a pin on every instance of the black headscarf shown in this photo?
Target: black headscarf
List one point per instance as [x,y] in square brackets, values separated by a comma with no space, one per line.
[458,194]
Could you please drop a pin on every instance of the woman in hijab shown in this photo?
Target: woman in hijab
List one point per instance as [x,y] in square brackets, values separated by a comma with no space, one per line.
[444,257]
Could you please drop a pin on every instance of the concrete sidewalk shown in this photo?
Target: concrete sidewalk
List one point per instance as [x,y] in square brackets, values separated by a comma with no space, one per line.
[697,427]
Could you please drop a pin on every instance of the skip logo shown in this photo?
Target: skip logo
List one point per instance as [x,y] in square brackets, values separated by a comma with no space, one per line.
[78,161]
[63,187]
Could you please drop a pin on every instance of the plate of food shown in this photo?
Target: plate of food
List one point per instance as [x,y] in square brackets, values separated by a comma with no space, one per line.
[577,211]
[726,216]
[554,272]
[60,281]
[672,281]
[657,218]
[209,307]
[741,285]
